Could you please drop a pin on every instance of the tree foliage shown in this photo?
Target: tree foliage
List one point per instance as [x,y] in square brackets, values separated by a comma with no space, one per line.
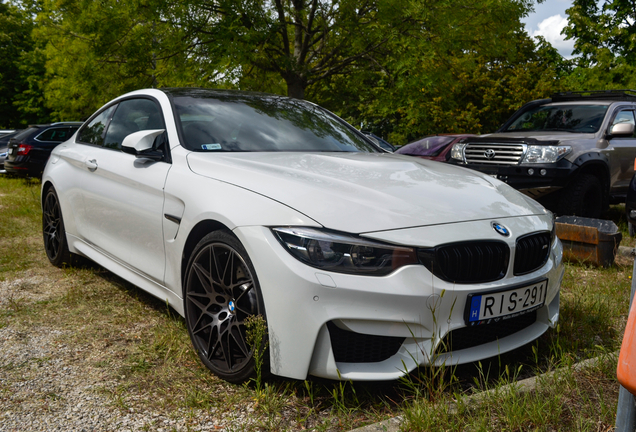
[457,76]
[21,100]
[604,35]
[403,68]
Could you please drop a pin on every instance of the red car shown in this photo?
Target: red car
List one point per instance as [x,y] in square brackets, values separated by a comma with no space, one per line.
[433,147]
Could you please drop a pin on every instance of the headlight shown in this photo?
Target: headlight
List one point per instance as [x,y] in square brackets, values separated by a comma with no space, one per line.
[457,152]
[343,253]
[545,154]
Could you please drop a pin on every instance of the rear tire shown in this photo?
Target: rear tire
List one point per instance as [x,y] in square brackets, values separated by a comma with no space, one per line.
[53,232]
[583,197]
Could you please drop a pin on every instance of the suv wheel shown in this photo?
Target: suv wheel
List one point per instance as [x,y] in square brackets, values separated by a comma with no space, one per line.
[583,197]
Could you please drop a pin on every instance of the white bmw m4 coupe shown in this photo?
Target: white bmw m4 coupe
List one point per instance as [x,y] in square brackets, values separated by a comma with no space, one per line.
[363,264]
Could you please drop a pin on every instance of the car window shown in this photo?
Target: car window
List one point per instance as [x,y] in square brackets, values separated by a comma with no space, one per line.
[428,146]
[560,117]
[93,133]
[235,123]
[56,134]
[131,116]
[25,133]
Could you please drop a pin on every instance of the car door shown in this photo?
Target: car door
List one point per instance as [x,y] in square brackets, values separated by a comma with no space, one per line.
[122,195]
[622,154]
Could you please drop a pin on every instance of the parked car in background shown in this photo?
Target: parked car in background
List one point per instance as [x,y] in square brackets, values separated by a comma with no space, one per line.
[4,144]
[4,132]
[383,144]
[433,147]
[29,149]
[573,152]
[363,264]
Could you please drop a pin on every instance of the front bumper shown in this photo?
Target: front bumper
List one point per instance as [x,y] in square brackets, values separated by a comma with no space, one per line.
[306,307]
[533,183]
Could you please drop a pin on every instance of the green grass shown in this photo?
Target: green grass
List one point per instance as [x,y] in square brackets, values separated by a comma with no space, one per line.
[137,342]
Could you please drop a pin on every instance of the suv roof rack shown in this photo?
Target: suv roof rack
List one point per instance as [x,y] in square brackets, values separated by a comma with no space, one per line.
[626,95]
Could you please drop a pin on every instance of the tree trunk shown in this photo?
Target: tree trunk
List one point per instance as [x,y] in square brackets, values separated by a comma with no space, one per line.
[295,87]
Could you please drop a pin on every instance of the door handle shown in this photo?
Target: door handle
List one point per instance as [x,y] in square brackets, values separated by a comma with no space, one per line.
[91,164]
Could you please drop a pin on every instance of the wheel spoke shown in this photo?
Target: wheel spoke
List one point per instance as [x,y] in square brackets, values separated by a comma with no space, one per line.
[251,285]
[240,342]
[203,276]
[224,342]
[197,303]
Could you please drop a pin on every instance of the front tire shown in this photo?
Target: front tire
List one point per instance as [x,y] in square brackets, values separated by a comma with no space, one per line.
[53,232]
[584,197]
[220,292]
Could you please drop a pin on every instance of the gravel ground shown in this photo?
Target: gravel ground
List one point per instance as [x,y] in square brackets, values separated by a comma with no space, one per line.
[46,385]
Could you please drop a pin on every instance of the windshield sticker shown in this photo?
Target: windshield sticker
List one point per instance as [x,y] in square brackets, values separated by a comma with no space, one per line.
[211,146]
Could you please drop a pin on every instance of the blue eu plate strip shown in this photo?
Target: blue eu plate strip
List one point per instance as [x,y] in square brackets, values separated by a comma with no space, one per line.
[475,307]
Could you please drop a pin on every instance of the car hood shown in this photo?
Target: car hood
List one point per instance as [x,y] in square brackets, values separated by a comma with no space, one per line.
[362,192]
[540,135]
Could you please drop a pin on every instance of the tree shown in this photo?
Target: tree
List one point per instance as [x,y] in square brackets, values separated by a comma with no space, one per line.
[604,35]
[20,59]
[453,77]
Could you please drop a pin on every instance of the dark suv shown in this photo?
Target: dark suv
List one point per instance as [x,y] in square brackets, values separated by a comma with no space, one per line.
[30,149]
[574,152]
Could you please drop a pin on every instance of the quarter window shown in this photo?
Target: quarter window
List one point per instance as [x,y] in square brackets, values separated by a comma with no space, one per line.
[131,116]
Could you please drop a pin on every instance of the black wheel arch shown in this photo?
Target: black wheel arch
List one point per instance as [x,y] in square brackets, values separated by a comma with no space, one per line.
[195,235]
[45,188]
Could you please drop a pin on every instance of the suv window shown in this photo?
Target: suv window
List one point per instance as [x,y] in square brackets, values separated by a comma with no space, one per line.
[560,117]
[93,133]
[131,116]
[59,134]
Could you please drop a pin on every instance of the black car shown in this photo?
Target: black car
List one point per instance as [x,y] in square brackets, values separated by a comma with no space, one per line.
[30,149]
[4,144]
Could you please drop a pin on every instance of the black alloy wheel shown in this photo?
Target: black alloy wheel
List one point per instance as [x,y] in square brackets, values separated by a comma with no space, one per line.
[221,292]
[53,232]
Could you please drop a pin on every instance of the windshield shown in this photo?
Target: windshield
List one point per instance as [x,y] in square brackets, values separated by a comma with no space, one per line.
[428,146]
[253,123]
[560,117]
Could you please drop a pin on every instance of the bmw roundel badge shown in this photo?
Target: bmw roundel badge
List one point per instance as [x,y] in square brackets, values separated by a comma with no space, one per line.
[231,306]
[500,229]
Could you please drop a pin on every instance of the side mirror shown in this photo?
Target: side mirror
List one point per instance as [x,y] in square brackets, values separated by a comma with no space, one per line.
[622,130]
[141,144]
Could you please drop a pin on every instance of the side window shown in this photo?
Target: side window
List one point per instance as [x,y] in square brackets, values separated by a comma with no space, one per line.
[624,117]
[59,134]
[93,133]
[131,116]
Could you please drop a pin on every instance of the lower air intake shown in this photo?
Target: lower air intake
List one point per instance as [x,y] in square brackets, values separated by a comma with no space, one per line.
[351,347]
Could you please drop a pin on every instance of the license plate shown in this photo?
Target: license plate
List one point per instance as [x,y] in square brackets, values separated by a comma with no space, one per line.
[505,304]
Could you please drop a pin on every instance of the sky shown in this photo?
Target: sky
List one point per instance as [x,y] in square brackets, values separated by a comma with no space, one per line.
[548,20]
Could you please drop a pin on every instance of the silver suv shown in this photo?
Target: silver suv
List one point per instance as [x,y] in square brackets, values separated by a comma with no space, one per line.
[574,152]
